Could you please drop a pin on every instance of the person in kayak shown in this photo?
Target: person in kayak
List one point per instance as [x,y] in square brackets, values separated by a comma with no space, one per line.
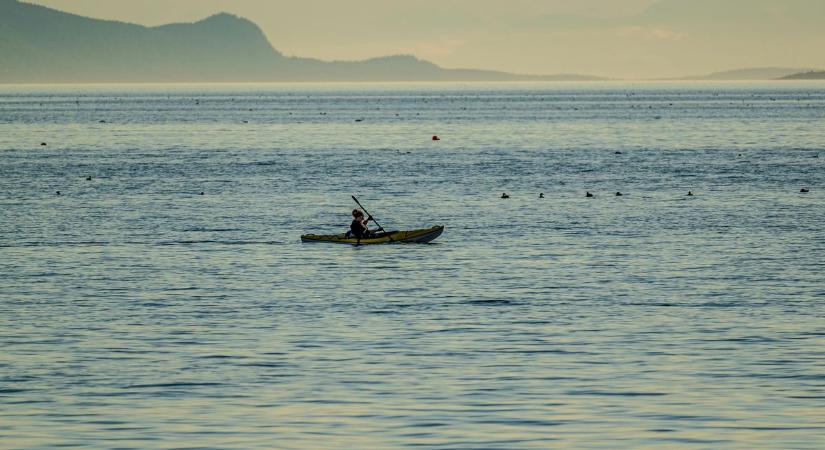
[358,228]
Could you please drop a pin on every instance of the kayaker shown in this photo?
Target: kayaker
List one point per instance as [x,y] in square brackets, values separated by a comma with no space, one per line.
[358,227]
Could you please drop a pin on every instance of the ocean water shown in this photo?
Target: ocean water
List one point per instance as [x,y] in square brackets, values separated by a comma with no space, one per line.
[137,313]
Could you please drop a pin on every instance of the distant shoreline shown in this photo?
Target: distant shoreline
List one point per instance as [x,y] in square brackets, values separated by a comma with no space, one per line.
[427,82]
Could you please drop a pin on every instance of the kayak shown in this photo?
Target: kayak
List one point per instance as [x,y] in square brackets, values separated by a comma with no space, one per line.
[390,237]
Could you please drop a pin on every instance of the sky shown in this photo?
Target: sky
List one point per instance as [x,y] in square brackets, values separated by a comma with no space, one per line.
[613,38]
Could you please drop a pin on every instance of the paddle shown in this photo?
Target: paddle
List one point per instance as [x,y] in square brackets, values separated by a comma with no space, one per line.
[373,218]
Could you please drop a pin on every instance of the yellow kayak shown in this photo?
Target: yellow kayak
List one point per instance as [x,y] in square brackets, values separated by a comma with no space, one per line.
[390,237]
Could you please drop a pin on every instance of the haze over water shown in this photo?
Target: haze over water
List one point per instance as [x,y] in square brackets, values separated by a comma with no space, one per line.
[137,313]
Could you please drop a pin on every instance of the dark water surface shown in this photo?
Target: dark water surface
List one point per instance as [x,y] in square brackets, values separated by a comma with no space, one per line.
[136,313]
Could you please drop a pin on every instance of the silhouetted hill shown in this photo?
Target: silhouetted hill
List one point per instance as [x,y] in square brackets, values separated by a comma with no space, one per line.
[755,74]
[43,45]
[38,44]
[810,75]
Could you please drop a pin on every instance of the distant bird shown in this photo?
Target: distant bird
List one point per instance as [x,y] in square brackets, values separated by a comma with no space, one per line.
[804,190]
[436,138]
[504,195]
[589,195]
[89,178]
[58,192]
[101,121]
[541,195]
[201,193]
[359,120]
[618,194]
[617,153]
[43,144]
[690,194]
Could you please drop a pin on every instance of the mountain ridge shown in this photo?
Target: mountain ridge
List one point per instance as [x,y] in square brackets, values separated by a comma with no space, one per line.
[43,45]
[745,74]
[806,75]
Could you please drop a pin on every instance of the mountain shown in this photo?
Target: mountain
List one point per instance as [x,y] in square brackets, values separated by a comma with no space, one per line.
[809,75]
[38,44]
[754,74]
[43,45]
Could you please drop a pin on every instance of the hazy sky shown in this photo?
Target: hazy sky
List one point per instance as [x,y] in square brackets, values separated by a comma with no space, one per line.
[616,38]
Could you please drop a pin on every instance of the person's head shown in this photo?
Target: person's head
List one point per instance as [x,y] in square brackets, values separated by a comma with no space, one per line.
[357,213]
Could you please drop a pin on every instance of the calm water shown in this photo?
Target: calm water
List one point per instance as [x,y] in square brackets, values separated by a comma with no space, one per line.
[136,313]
